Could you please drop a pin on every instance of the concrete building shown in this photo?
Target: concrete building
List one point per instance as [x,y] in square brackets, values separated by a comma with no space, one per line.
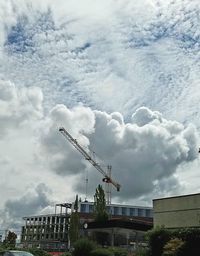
[177,212]
[45,231]
[50,232]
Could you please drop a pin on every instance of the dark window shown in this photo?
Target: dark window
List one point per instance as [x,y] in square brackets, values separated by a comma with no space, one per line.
[148,213]
[116,211]
[124,210]
[140,212]
[91,208]
[132,211]
[83,208]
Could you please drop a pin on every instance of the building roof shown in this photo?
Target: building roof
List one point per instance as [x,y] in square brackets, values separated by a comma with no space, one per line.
[133,224]
[180,196]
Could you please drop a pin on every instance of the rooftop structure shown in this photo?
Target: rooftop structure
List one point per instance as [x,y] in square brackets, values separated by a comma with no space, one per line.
[119,210]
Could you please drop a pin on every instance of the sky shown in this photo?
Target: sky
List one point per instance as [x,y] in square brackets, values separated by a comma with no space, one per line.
[122,77]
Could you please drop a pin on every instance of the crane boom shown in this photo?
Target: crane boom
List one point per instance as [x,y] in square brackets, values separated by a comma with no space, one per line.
[74,142]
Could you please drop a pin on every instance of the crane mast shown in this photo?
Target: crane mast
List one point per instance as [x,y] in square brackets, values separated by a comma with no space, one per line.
[107,175]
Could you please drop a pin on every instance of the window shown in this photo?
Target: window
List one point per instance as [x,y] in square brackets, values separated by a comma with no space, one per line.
[140,212]
[124,210]
[116,212]
[91,207]
[148,213]
[132,212]
[83,208]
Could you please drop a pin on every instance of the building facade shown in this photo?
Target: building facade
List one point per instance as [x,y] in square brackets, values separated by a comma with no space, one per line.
[50,232]
[119,210]
[177,212]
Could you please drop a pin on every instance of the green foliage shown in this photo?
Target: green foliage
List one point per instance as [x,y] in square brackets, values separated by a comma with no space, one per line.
[66,254]
[74,227]
[76,204]
[172,247]
[191,238]
[118,251]
[100,212]
[182,242]
[74,223]
[157,238]
[10,240]
[83,247]
[101,252]
[142,252]
[2,248]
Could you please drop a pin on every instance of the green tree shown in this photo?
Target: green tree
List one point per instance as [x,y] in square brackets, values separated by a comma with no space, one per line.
[100,213]
[74,223]
[10,239]
[83,247]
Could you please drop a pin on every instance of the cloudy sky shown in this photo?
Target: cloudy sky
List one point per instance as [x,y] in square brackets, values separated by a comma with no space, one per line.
[121,76]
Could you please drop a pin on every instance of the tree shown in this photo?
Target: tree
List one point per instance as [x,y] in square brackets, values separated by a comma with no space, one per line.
[74,223]
[100,213]
[10,239]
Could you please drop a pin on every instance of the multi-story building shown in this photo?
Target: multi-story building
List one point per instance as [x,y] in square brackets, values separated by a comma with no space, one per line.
[45,231]
[50,232]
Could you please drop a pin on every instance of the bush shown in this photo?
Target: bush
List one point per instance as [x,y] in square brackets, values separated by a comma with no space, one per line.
[142,252]
[191,238]
[101,252]
[83,247]
[66,254]
[181,242]
[157,238]
[172,247]
[118,251]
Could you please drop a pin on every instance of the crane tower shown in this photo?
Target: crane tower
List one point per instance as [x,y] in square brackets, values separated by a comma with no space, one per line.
[106,175]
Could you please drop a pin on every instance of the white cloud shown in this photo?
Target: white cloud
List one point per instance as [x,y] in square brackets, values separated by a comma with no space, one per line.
[150,148]
[56,58]
[116,60]
[18,106]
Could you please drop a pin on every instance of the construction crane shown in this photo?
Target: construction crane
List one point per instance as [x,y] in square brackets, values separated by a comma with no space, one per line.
[106,175]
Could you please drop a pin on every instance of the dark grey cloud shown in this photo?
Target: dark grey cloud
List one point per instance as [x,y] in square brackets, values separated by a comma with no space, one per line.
[31,203]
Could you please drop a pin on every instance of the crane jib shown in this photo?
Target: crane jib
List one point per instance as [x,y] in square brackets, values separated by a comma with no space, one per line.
[107,177]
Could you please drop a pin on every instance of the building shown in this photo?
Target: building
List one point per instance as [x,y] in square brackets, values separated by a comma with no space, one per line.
[119,231]
[50,232]
[119,210]
[177,212]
